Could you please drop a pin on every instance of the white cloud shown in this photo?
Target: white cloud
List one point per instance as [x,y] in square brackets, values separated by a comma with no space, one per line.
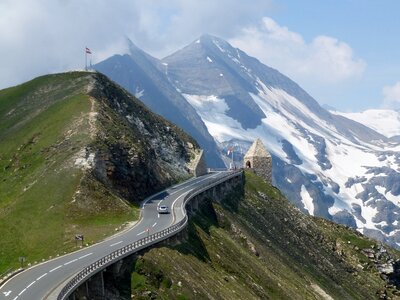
[44,36]
[391,96]
[324,60]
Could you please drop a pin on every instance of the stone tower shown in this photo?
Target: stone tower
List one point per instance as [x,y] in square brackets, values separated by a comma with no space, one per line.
[259,161]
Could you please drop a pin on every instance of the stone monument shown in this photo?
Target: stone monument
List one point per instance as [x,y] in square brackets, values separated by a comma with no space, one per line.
[259,161]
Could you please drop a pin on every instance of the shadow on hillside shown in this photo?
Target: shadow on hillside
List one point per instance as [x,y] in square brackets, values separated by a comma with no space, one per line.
[232,201]
[199,231]
[203,220]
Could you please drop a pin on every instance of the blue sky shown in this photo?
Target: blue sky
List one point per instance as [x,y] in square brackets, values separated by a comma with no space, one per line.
[371,28]
[343,52]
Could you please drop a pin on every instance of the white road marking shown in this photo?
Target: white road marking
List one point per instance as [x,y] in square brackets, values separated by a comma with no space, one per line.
[178,191]
[40,277]
[112,245]
[173,203]
[197,182]
[85,255]
[70,262]
[144,231]
[184,186]
[52,270]
[175,186]
[158,216]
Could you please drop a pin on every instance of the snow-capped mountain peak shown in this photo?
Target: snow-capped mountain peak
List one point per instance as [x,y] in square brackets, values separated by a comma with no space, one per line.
[318,155]
[326,164]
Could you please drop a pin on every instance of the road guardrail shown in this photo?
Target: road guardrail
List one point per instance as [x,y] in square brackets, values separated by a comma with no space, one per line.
[143,243]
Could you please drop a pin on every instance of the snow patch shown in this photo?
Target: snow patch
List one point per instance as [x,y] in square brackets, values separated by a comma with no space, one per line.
[139,93]
[368,213]
[213,112]
[384,121]
[237,52]
[307,200]
[394,232]
[219,46]
[389,196]
[288,118]
[236,60]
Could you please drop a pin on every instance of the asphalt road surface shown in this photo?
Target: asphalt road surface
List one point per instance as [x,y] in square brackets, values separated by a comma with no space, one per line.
[40,281]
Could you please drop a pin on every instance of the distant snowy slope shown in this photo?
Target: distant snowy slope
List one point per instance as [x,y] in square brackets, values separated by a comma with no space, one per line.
[326,164]
[144,76]
[384,121]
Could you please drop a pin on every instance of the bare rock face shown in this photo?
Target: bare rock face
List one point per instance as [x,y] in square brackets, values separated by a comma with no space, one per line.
[210,78]
[144,76]
[78,149]
[199,166]
[137,151]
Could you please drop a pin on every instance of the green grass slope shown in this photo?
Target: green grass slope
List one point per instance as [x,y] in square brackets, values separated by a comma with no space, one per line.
[77,154]
[255,245]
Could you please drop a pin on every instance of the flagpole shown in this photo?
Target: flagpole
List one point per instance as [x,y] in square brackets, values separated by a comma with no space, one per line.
[85,60]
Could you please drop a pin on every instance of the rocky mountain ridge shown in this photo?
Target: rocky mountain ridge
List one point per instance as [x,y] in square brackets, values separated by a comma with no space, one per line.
[77,155]
[144,76]
[326,164]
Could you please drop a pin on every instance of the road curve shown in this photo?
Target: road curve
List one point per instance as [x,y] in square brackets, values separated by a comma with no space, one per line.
[40,281]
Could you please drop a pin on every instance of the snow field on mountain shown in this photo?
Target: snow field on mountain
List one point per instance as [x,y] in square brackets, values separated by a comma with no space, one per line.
[384,121]
[348,160]
[323,159]
[389,196]
[307,200]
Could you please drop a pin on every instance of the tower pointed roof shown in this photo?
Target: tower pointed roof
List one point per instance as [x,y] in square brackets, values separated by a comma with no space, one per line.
[257,150]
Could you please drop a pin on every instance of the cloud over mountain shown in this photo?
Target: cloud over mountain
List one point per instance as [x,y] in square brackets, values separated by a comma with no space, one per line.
[42,36]
[391,96]
[325,59]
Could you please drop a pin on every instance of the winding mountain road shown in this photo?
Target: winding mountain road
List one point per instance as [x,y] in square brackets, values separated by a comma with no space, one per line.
[41,281]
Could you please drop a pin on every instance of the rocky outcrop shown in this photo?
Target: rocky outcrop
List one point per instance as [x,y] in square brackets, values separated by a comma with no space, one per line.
[387,265]
[77,150]
[198,167]
[137,152]
[144,76]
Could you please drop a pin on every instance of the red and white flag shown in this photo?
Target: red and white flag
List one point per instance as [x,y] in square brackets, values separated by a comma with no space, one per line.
[88,51]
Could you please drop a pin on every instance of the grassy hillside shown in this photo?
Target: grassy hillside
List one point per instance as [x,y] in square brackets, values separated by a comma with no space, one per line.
[255,245]
[77,155]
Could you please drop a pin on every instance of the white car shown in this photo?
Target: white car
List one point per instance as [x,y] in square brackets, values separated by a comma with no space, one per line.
[162,209]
